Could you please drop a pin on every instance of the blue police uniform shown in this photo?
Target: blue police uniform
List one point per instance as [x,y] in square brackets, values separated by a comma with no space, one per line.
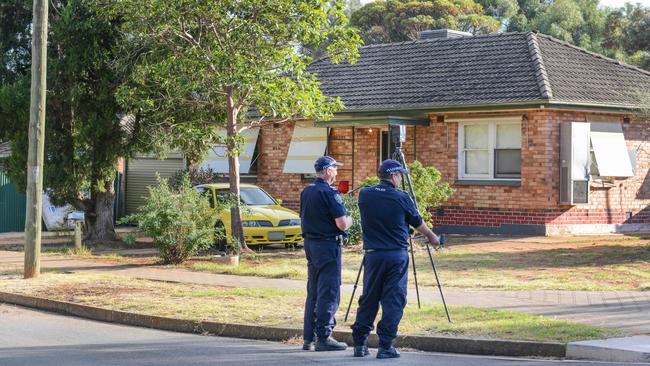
[320,205]
[386,214]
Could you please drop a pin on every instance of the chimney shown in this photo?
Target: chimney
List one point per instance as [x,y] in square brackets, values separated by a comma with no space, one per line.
[443,34]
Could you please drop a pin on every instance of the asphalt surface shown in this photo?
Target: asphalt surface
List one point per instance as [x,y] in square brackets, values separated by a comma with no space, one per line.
[36,338]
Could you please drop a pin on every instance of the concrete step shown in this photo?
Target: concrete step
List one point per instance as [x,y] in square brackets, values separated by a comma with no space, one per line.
[624,349]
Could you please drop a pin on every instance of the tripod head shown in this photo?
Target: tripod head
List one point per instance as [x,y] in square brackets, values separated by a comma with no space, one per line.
[397,136]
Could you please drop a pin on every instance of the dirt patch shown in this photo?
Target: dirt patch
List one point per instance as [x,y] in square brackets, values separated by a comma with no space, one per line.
[71,292]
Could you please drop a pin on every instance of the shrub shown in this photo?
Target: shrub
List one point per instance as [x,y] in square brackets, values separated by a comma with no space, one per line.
[354,232]
[181,221]
[196,177]
[428,188]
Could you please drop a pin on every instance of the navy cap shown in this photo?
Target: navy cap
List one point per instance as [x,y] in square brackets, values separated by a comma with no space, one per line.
[390,166]
[325,162]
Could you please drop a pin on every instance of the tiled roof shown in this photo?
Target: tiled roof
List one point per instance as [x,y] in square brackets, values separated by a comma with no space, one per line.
[579,76]
[490,69]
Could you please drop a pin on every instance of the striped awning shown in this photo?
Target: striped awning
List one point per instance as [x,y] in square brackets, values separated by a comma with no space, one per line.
[217,158]
[308,143]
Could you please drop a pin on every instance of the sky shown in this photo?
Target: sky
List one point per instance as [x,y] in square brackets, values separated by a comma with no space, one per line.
[611,3]
[619,3]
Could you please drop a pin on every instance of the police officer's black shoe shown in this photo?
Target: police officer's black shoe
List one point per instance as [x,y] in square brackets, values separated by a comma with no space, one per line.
[330,344]
[307,345]
[361,351]
[390,352]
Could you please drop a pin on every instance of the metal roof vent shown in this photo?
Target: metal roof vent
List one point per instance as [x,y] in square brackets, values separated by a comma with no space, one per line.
[443,34]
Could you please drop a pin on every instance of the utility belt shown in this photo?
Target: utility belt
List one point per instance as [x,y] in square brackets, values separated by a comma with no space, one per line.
[385,250]
[336,238]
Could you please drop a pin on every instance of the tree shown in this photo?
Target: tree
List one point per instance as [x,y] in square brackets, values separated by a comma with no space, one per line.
[217,63]
[627,35]
[15,23]
[84,134]
[351,6]
[397,21]
[580,22]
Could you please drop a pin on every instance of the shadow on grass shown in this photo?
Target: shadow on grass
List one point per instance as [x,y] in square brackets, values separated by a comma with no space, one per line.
[593,256]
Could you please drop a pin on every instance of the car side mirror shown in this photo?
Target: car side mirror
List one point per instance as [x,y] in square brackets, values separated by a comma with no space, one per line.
[278,202]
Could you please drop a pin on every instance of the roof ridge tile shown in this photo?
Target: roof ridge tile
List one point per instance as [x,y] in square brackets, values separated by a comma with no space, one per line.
[538,63]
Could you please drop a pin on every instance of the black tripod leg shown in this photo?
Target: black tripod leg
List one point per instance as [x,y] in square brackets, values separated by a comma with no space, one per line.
[415,272]
[435,272]
[354,289]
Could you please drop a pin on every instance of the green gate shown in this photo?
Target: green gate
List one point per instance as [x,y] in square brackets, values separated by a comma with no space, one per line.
[12,206]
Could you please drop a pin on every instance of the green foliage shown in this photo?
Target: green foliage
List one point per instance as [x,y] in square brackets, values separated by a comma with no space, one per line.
[397,21]
[129,239]
[15,40]
[208,64]
[622,33]
[430,191]
[354,232]
[627,35]
[195,176]
[181,222]
[85,135]
[369,181]
[207,60]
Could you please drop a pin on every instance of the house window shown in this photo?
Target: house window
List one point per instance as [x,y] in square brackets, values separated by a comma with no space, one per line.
[489,150]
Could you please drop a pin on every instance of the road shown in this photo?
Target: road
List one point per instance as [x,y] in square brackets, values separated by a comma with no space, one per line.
[36,338]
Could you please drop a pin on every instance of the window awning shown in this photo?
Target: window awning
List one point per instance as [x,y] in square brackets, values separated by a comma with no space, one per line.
[372,121]
[308,143]
[217,158]
[610,150]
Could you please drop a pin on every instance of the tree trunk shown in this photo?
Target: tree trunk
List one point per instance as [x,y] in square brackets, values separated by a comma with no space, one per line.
[233,176]
[99,219]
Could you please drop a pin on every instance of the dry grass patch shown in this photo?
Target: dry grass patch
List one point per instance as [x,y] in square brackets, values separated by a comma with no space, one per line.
[281,308]
[591,263]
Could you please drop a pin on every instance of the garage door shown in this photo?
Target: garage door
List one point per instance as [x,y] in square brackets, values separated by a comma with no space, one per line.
[141,173]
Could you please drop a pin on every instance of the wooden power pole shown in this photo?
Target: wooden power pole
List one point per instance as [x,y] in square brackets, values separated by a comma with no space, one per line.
[36,141]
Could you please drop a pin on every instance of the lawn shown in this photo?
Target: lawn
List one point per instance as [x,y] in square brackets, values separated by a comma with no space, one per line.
[575,263]
[590,263]
[282,308]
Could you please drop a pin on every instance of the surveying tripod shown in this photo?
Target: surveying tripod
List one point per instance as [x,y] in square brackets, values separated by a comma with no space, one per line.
[398,134]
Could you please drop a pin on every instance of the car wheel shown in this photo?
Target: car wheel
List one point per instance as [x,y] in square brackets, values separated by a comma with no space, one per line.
[220,243]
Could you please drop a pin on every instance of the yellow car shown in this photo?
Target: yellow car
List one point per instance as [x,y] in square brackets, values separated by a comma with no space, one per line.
[263,219]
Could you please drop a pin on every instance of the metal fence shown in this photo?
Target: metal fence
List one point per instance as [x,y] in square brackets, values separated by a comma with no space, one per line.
[12,206]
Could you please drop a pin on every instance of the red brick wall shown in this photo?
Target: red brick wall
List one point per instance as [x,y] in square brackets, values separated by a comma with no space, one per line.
[273,146]
[535,201]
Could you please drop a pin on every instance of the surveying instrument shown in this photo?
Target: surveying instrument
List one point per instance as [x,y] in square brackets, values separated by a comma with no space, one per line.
[397,135]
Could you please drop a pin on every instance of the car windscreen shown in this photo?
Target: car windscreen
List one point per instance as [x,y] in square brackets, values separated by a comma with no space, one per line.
[256,197]
[249,196]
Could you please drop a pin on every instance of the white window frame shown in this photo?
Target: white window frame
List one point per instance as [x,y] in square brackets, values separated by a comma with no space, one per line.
[492,138]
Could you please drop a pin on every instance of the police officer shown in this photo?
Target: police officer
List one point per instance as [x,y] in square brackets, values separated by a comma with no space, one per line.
[386,214]
[324,221]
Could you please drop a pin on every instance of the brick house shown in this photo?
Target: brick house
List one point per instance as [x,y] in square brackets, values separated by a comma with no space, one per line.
[537,136]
